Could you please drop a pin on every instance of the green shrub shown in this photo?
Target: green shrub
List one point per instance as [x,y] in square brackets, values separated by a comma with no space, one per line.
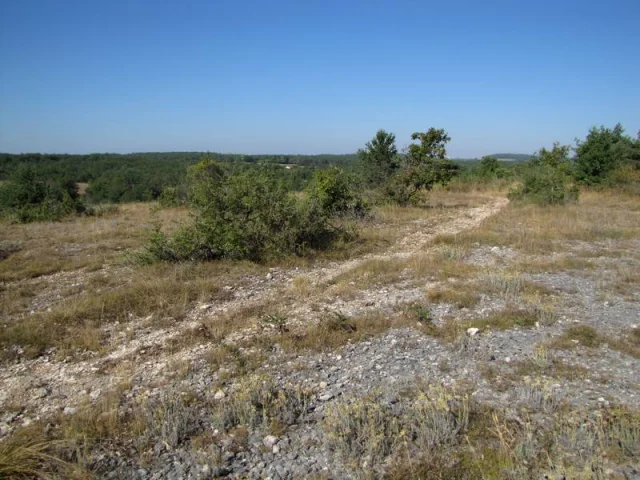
[490,167]
[546,178]
[544,185]
[625,178]
[170,197]
[336,192]
[250,215]
[423,165]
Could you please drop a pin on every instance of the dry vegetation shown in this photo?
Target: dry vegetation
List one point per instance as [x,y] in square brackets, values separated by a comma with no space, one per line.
[70,288]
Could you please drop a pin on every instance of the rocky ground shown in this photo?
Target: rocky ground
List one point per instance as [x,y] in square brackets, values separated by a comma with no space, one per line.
[271,410]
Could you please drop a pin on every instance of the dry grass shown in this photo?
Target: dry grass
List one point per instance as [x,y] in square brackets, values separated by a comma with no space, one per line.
[627,281]
[627,343]
[334,331]
[462,296]
[167,292]
[506,319]
[371,273]
[89,242]
[391,223]
[68,310]
[26,457]
[583,335]
[541,363]
[302,286]
[540,230]
[558,264]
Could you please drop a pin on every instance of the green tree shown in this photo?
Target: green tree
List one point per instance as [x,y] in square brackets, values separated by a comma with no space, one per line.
[603,151]
[490,167]
[379,158]
[432,147]
[557,158]
[28,196]
[424,164]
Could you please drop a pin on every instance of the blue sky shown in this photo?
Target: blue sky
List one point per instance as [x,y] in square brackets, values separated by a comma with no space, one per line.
[313,76]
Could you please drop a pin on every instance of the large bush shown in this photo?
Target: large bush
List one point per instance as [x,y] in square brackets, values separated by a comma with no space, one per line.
[602,152]
[490,168]
[29,197]
[546,179]
[252,215]
[337,193]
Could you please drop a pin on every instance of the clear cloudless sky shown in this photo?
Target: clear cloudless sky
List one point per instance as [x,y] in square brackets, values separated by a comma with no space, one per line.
[310,76]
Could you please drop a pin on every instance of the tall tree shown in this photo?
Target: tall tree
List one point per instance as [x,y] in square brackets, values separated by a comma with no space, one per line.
[379,158]
[432,146]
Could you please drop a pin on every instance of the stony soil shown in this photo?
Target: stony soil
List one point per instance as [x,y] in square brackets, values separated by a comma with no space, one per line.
[388,365]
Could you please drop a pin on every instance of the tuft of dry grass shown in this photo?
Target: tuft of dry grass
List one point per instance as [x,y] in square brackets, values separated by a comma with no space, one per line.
[541,363]
[627,343]
[462,296]
[25,457]
[583,335]
[334,331]
[505,319]
[258,401]
[302,286]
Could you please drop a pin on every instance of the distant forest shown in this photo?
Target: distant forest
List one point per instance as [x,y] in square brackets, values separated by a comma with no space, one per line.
[142,176]
[116,178]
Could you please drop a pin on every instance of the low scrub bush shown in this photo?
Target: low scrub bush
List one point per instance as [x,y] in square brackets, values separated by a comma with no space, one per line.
[253,215]
[546,179]
[544,185]
[336,193]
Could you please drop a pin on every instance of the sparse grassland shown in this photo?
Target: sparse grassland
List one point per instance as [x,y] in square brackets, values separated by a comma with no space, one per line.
[213,359]
[598,217]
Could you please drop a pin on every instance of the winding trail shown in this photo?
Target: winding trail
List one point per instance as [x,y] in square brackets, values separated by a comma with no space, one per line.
[45,385]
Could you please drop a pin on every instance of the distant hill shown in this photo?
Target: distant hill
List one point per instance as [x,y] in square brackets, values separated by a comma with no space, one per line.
[512,157]
[503,157]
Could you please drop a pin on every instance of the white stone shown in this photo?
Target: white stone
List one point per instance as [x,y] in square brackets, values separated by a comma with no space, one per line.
[219,395]
[69,410]
[269,441]
[507,359]
[472,331]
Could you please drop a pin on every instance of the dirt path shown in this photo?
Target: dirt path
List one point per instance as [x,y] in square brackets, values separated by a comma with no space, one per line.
[413,243]
[36,388]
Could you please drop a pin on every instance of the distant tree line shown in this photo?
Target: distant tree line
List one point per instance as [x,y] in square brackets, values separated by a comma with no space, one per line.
[142,176]
[45,186]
